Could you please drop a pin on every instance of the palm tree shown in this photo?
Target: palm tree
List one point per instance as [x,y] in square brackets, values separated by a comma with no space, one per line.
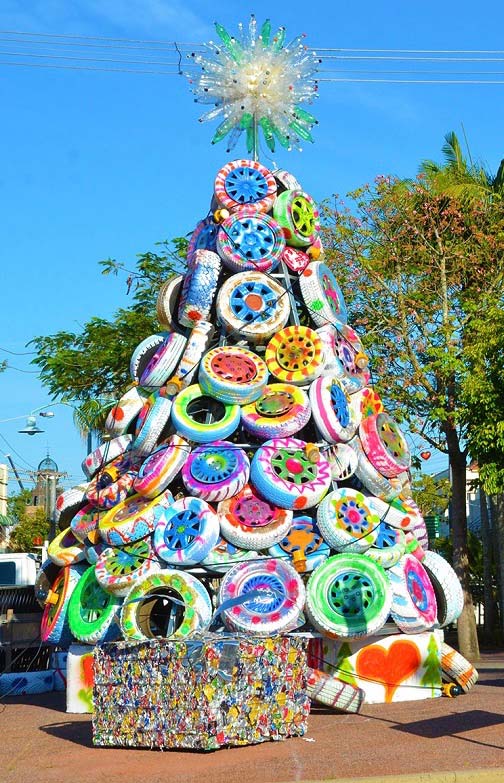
[89,418]
[462,178]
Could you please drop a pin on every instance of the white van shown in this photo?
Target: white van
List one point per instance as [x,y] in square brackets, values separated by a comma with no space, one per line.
[18,569]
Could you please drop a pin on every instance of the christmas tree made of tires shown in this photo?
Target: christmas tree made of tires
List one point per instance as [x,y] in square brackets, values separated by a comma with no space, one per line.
[252,480]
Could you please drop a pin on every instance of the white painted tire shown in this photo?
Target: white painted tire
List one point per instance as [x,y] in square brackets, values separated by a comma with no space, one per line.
[199,287]
[447,587]
[151,422]
[334,693]
[278,611]
[133,519]
[216,471]
[186,532]
[342,459]
[282,410]
[283,474]
[118,569]
[167,302]
[250,240]
[163,362]
[69,503]
[389,546]
[65,549]
[322,295]
[348,521]
[333,417]
[143,353]
[197,344]
[457,669]
[373,481]
[384,444]
[252,305]
[125,412]
[414,607]
[249,522]
[105,453]
[233,374]
[190,410]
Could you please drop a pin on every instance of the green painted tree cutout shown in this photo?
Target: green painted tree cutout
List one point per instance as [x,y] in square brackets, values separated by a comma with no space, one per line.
[344,669]
[432,675]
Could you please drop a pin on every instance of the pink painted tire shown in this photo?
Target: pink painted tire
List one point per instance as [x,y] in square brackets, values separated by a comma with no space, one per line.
[275,612]
[250,240]
[124,412]
[245,182]
[414,606]
[250,522]
[133,519]
[161,467]
[143,353]
[199,287]
[384,488]
[333,417]
[233,374]
[295,259]
[118,569]
[105,453]
[163,362]
[348,521]
[282,410]
[295,355]
[384,444]
[186,532]
[284,475]
[216,471]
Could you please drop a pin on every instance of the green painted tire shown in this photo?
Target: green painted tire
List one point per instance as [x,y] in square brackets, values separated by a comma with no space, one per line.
[348,596]
[92,611]
[296,212]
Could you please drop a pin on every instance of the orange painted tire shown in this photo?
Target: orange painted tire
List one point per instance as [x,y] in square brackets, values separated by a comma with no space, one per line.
[295,355]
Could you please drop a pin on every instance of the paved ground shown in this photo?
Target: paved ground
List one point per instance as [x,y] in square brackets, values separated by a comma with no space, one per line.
[419,741]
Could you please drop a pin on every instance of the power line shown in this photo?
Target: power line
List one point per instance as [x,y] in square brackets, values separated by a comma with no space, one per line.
[94,38]
[89,68]
[417,81]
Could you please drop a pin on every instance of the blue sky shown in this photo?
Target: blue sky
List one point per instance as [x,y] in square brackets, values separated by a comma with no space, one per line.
[97,164]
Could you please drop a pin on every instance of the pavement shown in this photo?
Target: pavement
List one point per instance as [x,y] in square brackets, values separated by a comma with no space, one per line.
[438,740]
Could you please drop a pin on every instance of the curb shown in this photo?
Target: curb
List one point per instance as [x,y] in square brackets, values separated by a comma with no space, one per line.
[462,776]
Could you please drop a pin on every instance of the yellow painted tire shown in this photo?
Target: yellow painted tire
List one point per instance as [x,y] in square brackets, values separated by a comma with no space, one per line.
[295,355]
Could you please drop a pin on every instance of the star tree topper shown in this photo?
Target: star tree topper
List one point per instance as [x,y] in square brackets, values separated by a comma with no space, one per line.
[256,83]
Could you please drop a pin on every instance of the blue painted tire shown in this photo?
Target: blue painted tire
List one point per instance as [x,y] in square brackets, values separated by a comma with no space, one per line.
[199,287]
[24,683]
[216,471]
[191,405]
[389,547]
[54,626]
[204,237]
[186,532]
[245,182]
[252,305]
[250,240]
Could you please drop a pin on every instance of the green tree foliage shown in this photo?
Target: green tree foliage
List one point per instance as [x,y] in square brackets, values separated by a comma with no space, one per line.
[93,364]
[29,526]
[415,266]
[432,495]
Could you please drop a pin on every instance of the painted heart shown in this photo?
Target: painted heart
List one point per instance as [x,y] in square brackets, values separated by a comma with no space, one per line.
[391,666]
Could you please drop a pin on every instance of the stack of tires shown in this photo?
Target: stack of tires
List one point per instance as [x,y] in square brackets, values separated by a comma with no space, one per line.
[250,476]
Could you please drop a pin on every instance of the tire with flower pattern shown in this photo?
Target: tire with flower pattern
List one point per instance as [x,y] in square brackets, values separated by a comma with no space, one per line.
[295,355]
[348,521]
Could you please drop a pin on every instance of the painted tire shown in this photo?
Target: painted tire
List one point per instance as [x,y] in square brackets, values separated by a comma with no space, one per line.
[124,412]
[216,471]
[250,522]
[186,532]
[204,237]
[277,611]
[93,551]
[333,417]
[199,287]
[191,405]
[140,620]
[85,522]
[457,669]
[242,182]
[447,587]
[161,467]
[414,607]
[117,570]
[167,302]
[389,546]
[373,481]
[285,180]
[346,349]
[396,514]
[113,483]
[295,259]
[322,295]
[54,628]
[163,362]
[384,444]
[334,693]
[302,545]
[280,411]
[143,353]
[92,611]
[366,402]
[248,240]
[343,461]
[297,214]
[151,422]
[44,580]
[233,374]
[295,355]
[225,555]
[348,596]
[416,524]
[197,343]
[133,519]
[105,453]
[252,305]
[24,683]
[68,504]
[283,474]
[65,549]
[348,521]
